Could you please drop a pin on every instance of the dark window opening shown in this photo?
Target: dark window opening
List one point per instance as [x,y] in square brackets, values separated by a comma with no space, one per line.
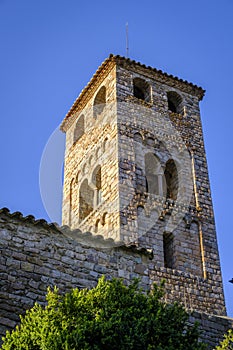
[168,250]
[175,104]
[172,181]
[104,219]
[147,187]
[97,225]
[141,90]
[138,93]
[172,107]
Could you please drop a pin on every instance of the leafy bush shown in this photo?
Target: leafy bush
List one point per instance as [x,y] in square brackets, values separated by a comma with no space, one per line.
[109,316]
[227,343]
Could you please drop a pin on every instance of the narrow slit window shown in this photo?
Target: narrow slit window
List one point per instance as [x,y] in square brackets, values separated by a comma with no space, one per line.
[168,250]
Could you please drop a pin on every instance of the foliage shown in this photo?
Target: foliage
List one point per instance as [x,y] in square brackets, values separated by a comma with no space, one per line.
[227,343]
[109,316]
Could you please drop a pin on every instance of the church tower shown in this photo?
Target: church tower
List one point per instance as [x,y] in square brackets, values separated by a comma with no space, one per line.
[136,172]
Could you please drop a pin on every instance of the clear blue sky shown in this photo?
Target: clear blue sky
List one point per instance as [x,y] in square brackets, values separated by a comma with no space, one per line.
[51,48]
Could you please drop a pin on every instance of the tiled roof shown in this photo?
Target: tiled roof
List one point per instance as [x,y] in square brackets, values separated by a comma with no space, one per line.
[120,59]
[156,71]
[87,238]
[29,219]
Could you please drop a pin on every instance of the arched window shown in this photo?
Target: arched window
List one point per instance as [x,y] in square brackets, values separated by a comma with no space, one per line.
[150,141]
[86,197]
[140,210]
[141,89]
[79,128]
[172,181]
[105,219]
[97,225]
[141,219]
[105,144]
[168,250]
[97,182]
[90,161]
[138,137]
[154,179]
[99,102]
[98,152]
[174,102]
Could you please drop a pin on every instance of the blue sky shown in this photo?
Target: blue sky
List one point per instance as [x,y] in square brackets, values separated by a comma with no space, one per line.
[51,48]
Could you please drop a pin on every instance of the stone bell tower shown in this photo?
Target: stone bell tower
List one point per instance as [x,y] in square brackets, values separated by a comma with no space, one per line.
[136,172]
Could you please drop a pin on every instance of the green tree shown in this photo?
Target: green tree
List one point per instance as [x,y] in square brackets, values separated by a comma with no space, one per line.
[109,316]
[227,343]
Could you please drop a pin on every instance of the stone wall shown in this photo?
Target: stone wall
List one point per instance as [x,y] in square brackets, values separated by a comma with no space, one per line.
[86,203]
[35,255]
[212,327]
[182,207]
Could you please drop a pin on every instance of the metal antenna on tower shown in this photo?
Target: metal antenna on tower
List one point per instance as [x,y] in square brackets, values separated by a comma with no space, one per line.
[127,40]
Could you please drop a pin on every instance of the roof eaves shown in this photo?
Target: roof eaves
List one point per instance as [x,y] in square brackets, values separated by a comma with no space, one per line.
[118,59]
[87,238]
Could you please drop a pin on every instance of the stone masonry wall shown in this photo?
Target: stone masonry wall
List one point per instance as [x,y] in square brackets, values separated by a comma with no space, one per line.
[97,147]
[35,255]
[148,127]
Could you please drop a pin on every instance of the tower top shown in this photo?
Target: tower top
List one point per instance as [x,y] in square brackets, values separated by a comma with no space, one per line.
[156,74]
